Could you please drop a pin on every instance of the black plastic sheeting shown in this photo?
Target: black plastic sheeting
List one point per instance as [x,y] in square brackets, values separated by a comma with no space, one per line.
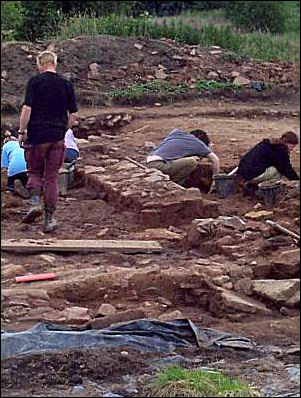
[147,335]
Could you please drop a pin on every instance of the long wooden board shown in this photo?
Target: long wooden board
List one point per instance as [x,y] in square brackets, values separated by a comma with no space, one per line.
[38,245]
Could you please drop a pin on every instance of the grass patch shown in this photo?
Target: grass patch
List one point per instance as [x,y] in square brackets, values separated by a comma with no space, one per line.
[213,85]
[164,90]
[178,382]
[157,88]
[262,46]
[155,91]
[154,87]
[195,19]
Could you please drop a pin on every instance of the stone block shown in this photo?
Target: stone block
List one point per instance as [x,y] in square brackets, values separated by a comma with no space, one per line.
[150,218]
[278,291]
[129,315]
[27,293]
[259,215]
[106,310]
[241,81]
[171,315]
[76,315]
[234,302]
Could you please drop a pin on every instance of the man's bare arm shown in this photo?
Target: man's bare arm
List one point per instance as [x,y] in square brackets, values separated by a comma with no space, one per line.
[24,118]
[72,119]
[215,162]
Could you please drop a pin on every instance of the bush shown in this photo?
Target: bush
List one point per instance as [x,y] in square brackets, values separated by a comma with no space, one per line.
[40,17]
[266,16]
[164,8]
[203,5]
[11,19]
[97,8]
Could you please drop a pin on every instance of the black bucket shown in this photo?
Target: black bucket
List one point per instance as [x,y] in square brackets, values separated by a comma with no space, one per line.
[269,193]
[225,184]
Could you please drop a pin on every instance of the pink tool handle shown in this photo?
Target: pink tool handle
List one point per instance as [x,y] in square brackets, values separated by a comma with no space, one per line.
[38,277]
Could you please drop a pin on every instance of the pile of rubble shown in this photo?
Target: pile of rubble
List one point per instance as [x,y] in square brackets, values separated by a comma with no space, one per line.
[97,125]
[98,65]
[223,288]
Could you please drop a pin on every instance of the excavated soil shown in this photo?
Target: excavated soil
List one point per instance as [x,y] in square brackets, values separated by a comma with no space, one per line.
[98,65]
[183,276]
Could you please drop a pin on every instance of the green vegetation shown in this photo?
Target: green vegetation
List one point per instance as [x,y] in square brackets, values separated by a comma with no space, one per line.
[39,20]
[178,382]
[262,46]
[11,19]
[196,19]
[164,90]
[265,16]
[201,23]
[213,85]
[136,91]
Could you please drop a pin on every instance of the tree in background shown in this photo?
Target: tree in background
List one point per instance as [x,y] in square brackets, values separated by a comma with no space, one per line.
[164,8]
[11,19]
[40,18]
[266,16]
[97,8]
[203,5]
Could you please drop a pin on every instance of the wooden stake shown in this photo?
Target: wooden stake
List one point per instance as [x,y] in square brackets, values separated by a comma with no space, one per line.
[282,229]
[137,131]
[136,163]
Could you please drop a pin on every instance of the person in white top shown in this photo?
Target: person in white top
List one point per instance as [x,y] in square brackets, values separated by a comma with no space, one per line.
[71,151]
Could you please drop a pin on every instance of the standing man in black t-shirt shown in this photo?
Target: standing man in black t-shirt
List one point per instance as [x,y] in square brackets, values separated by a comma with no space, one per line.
[48,111]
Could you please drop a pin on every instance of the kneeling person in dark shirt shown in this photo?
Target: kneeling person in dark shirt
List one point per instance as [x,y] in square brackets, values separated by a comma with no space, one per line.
[269,160]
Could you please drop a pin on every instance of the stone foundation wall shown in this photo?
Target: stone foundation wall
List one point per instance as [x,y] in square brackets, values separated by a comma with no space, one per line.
[157,200]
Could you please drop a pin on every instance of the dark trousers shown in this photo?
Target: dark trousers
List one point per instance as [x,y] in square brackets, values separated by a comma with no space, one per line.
[20,176]
[43,163]
[70,155]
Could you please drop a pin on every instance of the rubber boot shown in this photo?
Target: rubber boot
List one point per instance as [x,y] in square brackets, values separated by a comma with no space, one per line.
[35,211]
[49,222]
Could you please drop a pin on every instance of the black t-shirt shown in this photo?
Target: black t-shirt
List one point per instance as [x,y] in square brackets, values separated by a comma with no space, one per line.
[264,155]
[50,97]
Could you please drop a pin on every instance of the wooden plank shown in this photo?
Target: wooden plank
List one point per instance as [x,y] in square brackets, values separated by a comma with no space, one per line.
[123,246]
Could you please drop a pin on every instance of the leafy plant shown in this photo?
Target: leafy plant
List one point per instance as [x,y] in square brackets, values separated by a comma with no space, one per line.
[11,19]
[97,8]
[40,18]
[266,16]
[232,57]
[136,91]
[213,85]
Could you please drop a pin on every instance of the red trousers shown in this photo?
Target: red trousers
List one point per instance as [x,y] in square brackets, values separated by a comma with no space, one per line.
[43,164]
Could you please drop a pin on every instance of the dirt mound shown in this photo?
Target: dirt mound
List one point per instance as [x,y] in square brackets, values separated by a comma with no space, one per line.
[72,366]
[98,65]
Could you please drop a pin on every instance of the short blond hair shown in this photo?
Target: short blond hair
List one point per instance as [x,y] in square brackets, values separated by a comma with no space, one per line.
[47,57]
